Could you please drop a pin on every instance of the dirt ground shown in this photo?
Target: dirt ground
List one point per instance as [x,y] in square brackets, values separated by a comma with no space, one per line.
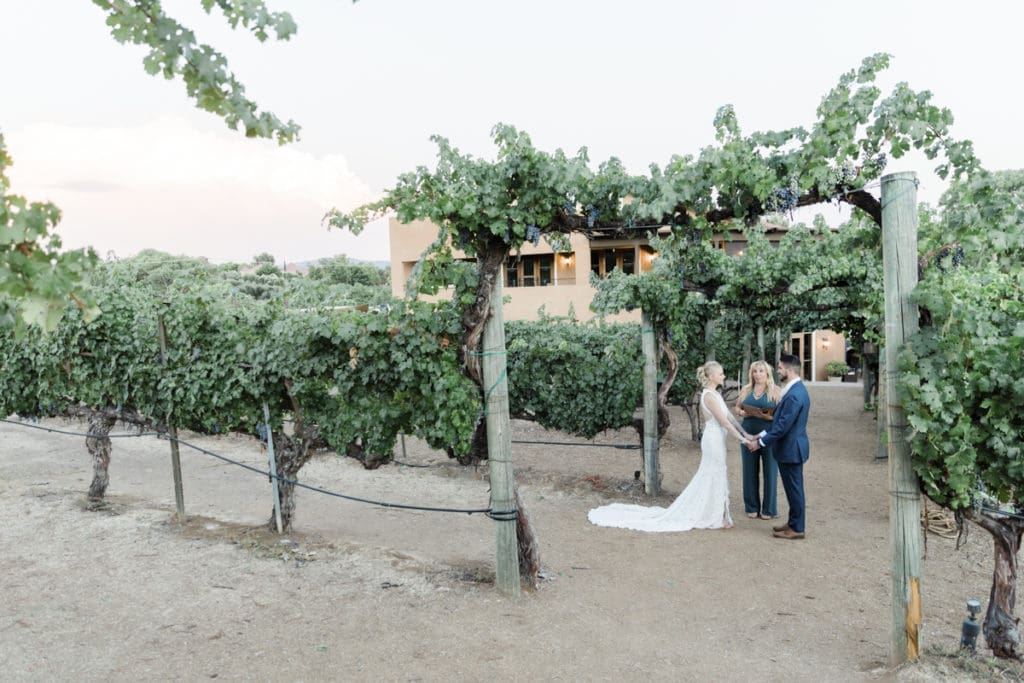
[363,593]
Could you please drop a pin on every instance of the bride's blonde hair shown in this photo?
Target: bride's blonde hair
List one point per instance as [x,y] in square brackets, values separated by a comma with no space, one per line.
[770,388]
[704,372]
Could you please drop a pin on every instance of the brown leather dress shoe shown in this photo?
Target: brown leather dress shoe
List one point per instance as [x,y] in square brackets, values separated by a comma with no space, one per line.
[788,534]
[781,527]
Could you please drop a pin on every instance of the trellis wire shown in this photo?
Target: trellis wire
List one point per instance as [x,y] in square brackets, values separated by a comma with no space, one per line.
[22,423]
[498,515]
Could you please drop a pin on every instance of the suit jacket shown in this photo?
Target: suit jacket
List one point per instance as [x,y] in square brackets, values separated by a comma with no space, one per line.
[789,428]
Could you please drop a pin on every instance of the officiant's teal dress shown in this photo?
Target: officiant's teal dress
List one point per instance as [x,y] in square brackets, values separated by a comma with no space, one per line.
[755,499]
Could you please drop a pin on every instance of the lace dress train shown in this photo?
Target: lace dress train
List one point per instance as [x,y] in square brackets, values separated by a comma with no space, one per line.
[703,504]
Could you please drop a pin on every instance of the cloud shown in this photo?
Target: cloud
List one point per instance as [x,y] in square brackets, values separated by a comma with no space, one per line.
[168,185]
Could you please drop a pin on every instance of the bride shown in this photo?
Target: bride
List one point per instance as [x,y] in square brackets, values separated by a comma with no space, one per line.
[704,504]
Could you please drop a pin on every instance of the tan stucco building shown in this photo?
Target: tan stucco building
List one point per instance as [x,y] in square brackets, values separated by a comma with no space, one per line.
[560,283]
[536,276]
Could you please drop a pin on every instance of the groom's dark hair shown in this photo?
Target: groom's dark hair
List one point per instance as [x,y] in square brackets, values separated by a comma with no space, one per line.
[790,360]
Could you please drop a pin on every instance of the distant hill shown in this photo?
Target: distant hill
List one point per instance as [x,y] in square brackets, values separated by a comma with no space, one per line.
[303,266]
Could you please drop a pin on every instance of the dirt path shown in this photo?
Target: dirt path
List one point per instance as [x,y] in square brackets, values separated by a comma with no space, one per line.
[366,593]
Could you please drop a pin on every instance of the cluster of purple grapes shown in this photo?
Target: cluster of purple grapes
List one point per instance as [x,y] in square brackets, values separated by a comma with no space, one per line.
[41,410]
[533,234]
[847,173]
[957,253]
[592,215]
[681,271]
[782,200]
[261,431]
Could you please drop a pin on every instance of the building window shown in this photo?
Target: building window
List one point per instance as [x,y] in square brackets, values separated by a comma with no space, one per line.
[529,271]
[512,272]
[604,261]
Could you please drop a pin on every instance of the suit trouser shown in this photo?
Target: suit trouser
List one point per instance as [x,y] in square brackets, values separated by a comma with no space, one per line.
[753,462]
[792,475]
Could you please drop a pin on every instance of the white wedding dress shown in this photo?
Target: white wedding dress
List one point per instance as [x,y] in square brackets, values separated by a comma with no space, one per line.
[704,504]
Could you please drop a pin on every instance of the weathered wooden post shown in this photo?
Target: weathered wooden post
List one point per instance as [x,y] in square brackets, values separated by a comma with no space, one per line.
[899,258]
[652,485]
[499,446]
[172,431]
[760,343]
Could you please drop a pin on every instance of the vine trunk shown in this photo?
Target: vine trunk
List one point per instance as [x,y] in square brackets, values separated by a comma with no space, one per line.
[1000,626]
[290,454]
[98,445]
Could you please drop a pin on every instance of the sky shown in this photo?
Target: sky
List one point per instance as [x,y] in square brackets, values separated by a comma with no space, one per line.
[134,165]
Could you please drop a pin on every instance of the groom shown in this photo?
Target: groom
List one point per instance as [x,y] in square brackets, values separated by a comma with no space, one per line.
[789,434]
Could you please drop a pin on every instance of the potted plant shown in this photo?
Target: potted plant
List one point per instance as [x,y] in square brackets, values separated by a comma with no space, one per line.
[836,369]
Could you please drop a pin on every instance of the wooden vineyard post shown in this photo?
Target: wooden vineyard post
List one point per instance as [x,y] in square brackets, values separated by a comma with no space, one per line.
[273,468]
[899,259]
[651,468]
[760,343]
[499,447]
[709,334]
[172,431]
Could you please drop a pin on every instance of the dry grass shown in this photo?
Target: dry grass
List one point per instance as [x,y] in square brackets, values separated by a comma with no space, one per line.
[941,663]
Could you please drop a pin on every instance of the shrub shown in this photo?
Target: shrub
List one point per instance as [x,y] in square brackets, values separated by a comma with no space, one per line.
[836,368]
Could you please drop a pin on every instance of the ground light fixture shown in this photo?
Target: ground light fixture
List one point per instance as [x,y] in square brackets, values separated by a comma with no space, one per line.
[970,627]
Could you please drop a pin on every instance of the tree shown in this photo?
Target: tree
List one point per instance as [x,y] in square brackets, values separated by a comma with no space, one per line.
[341,269]
[263,259]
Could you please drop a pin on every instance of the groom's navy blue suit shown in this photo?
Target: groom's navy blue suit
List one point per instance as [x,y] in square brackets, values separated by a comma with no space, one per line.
[789,435]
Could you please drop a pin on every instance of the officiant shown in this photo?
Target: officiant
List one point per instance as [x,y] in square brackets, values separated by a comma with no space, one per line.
[756,403]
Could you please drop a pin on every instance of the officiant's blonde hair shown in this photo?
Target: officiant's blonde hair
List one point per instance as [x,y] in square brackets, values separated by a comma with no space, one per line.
[770,387]
[704,372]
